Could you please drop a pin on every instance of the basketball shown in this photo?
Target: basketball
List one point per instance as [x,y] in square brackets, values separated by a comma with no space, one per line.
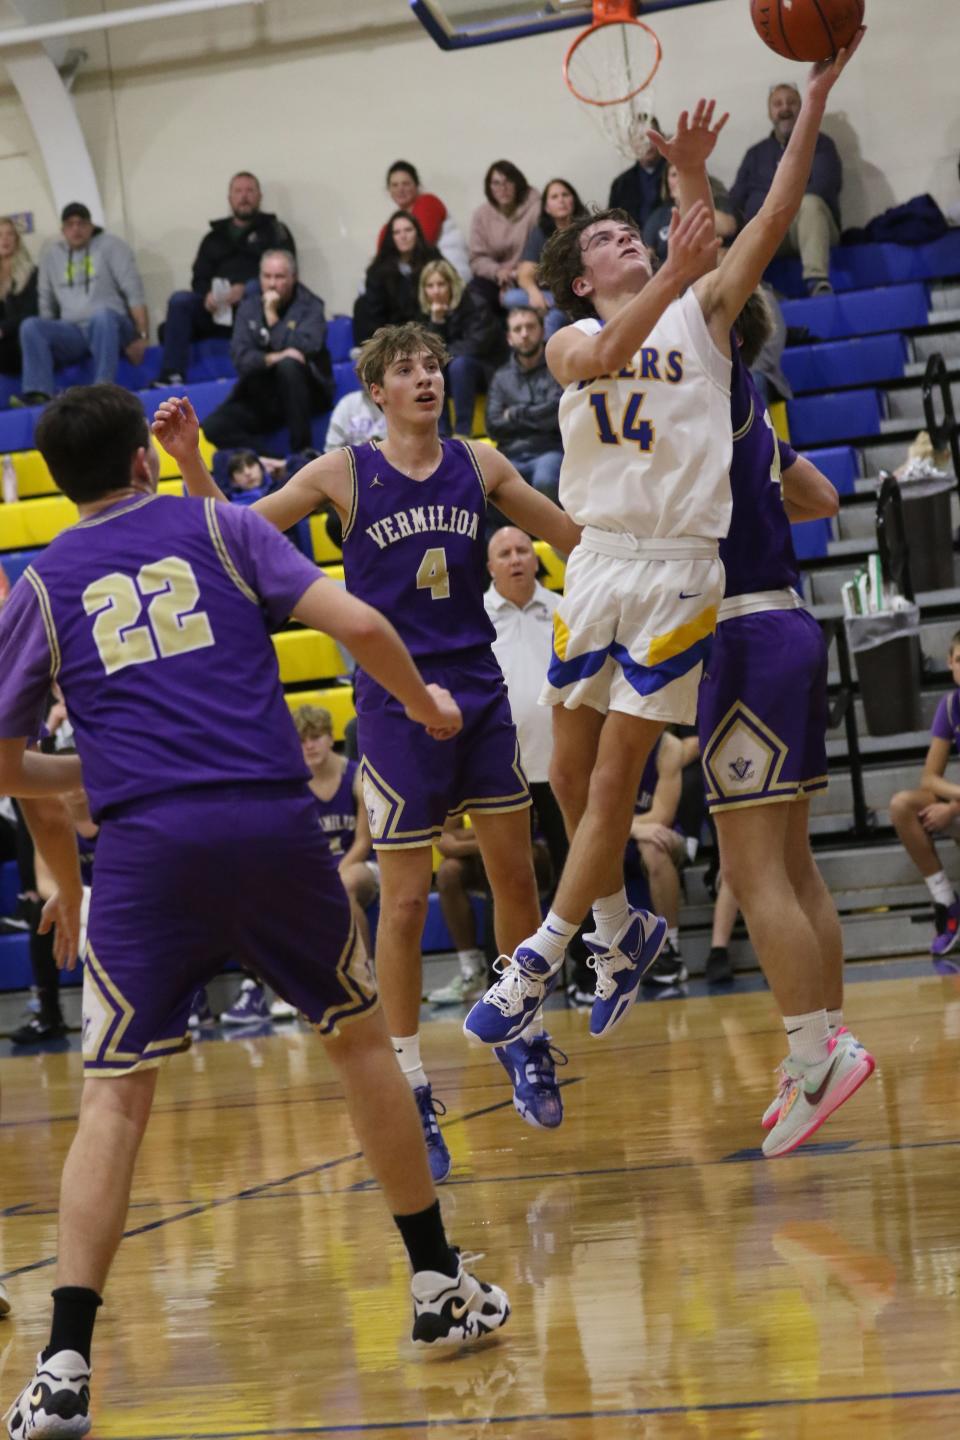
[806,29]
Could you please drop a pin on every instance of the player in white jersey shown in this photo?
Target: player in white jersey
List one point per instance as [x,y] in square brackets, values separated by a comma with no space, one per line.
[646,424]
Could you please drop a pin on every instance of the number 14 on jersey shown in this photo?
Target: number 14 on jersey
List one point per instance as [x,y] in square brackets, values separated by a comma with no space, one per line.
[642,432]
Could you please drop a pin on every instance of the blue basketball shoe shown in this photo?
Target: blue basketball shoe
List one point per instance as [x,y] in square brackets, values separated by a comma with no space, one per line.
[620,966]
[511,1003]
[437,1152]
[531,1065]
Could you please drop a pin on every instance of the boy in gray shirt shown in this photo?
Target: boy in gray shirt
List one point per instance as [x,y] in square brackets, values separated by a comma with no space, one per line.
[91,303]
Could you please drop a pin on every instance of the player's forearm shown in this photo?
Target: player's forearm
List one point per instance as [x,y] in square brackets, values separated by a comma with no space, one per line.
[533,512]
[622,337]
[197,479]
[941,787]
[807,493]
[32,776]
[55,839]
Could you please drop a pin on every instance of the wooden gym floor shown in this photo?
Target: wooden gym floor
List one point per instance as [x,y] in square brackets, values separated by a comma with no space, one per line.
[666,1280]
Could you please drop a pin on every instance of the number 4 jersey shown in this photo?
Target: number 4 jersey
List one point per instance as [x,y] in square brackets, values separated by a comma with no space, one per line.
[155,616]
[416,549]
[647,451]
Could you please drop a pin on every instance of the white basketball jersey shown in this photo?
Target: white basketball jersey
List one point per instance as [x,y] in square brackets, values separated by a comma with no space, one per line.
[648,450]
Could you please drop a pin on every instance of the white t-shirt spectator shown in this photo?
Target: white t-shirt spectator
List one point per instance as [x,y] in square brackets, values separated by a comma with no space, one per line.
[522,647]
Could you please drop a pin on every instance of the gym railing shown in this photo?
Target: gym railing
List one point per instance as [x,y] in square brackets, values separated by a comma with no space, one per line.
[944,433]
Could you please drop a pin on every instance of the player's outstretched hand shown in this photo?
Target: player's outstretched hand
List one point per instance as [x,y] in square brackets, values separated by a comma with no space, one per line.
[176,426]
[61,914]
[693,143]
[441,718]
[825,74]
[692,243]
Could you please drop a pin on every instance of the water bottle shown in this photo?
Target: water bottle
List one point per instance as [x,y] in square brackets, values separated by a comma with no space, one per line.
[10,495]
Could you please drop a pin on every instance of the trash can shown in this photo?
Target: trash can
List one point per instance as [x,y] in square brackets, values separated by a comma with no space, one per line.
[886,653]
[928,531]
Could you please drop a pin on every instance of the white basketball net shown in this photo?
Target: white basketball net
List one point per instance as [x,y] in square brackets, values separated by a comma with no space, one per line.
[613,60]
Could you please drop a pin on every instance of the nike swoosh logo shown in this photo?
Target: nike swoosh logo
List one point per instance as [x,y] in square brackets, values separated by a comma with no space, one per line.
[694,595]
[551,931]
[814,1097]
[458,1311]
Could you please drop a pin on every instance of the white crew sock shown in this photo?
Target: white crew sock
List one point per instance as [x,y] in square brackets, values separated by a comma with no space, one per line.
[472,963]
[834,1020]
[407,1050]
[941,889]
[552,939]
[673,936]
[610,914]
[807,1036]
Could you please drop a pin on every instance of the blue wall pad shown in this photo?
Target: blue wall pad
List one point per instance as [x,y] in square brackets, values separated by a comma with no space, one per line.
[860,361]
[820,419]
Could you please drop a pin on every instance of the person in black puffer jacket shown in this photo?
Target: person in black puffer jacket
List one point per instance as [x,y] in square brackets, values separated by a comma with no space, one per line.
[390,289]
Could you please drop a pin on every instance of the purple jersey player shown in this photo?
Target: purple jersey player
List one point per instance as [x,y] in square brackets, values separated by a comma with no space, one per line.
[932,812]
[155,615]
[413,509]
[763,721]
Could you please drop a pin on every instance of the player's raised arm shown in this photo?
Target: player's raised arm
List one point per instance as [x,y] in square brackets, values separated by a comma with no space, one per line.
[574,355]
[379,651]
[526,507]
[723,294]
[807,493]
[327,478]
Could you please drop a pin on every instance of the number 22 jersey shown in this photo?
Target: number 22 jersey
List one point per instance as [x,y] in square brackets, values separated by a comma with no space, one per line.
[155,615]
[647,451]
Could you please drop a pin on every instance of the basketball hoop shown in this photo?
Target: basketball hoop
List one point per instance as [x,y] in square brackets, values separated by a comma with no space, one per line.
[609,67]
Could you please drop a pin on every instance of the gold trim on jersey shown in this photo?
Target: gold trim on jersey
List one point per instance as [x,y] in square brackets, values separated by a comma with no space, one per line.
[116,1013]
[476,465]
[354,491]
[772,759]
[519,800]
[675,642]
[46,614]
[223,554]
[384,826]
[747,425]
[115,514]
[361,989]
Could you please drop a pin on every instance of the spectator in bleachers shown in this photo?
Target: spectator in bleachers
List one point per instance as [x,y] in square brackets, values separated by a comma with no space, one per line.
[560,206]
[279,350]
[471,333]
[522,405]
[932,812]
[18,293]
[429,211]
[657,850]
[227,260]
[91,302]
[657,228]
[638,190]
[817,226]
[354,421]
[500,228]
[391,287]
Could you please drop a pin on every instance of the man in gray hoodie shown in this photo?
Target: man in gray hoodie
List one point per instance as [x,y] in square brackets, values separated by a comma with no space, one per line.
[91,303]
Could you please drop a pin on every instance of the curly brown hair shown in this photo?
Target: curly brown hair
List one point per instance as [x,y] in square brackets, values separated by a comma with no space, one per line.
[394,342]
[562,261]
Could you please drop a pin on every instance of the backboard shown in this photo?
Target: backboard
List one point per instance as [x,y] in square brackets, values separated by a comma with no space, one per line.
[461,24]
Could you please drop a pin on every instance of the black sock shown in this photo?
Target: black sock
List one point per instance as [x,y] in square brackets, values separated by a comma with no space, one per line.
[74,1313]
[46,976]
[426,1241]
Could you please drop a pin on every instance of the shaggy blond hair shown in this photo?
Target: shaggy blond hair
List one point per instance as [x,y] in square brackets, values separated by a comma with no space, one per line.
[445,270]
[396,342]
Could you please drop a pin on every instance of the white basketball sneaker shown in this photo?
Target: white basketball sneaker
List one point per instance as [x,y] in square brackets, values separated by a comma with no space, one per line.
[454,1311]
[816,1091]
[56,1403]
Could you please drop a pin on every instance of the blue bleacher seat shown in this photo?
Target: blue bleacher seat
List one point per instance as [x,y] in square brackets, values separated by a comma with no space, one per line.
[811,539]
[15,562]
[16,428]
[15,973]
[840,464]
[862,267]
[9,887]
[839,363]
[210,360]
[204,397]
[820,419]
[864,312]
[344,379]
[436,936]
[278,441]
[339,337]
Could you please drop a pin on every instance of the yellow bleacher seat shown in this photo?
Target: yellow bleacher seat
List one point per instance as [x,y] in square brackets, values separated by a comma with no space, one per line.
[338,699]
[324,549]
[306,655]
[33,477]
[32,523]
[553,564]
[781,423]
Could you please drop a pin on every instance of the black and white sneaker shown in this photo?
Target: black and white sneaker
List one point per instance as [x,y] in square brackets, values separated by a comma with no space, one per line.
[56,1403]
[667,969]
[455,1311]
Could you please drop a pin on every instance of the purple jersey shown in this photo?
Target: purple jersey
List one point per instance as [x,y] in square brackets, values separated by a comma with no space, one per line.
[946,722]
[416,549]
[757,553]
[338,815]
[155,615]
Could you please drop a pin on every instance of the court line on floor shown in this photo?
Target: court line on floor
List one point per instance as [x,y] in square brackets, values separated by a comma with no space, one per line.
[718,1407]
[253,1192]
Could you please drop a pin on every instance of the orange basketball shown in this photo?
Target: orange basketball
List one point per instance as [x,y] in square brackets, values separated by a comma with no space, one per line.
[806,29]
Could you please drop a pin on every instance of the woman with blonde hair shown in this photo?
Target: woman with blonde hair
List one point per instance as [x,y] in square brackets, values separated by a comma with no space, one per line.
[472,333]
[18,293]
